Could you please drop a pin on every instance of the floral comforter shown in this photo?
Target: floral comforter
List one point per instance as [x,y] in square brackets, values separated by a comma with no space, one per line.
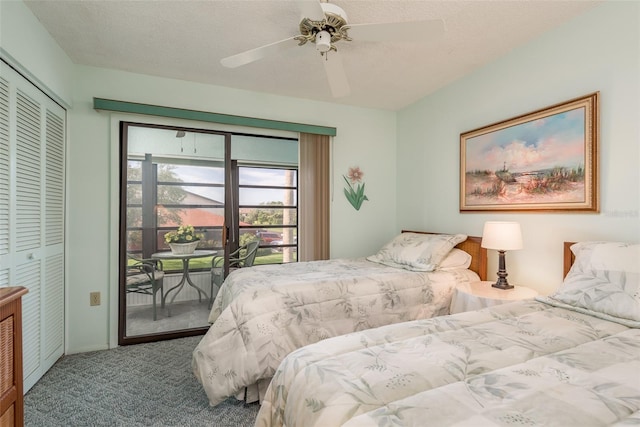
[524,363]
[263,313]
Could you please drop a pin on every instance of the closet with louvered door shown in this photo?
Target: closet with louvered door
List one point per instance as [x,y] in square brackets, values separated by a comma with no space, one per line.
[32,163]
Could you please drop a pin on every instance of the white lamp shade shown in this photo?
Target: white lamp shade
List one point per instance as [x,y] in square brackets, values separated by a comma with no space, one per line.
[502,235]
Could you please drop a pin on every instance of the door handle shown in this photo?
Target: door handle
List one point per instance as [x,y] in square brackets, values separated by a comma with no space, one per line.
[225,235]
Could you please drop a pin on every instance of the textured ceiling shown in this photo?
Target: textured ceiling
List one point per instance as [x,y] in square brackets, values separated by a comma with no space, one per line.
[187,39]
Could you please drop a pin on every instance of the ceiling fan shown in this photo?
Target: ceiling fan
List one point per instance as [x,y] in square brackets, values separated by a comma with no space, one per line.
[325,24]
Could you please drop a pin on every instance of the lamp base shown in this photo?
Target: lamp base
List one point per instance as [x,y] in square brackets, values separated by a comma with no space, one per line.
[502,284]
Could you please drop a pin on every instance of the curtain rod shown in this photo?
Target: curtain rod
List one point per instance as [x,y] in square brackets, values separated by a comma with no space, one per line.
[227,119]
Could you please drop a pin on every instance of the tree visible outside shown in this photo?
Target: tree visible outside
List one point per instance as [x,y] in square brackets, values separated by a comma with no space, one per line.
[167,193]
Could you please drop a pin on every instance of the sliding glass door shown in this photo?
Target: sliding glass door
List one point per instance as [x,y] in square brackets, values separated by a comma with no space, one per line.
[218,189]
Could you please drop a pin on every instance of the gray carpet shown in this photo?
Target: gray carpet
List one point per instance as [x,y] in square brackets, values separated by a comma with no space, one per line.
[136,385]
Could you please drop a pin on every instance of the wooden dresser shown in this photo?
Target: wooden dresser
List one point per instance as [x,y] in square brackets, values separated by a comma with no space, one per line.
[11,403]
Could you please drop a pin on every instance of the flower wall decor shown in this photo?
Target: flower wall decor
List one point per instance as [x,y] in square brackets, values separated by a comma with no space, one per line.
[355,187]
[184,234]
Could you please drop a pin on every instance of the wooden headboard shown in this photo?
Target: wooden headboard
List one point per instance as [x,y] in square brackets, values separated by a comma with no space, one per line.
[568,258]
[473,248]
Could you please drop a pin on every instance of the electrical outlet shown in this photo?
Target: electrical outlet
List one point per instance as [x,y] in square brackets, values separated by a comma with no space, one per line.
[94,298]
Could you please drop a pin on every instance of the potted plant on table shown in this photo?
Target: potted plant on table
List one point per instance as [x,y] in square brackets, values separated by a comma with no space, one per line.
[184,240]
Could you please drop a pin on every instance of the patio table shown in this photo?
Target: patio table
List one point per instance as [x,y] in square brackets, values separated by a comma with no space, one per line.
[185,273]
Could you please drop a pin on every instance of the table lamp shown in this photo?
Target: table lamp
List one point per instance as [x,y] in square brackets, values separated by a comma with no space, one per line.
[502,236]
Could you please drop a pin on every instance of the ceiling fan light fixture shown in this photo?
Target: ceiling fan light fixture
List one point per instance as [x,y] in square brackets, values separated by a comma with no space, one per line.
[323,41]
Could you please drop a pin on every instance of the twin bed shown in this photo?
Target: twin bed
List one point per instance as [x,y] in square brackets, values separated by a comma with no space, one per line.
[263,313]
[570,359]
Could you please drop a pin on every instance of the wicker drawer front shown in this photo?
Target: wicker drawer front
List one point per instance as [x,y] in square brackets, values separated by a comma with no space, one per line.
[11,384]
[6,355]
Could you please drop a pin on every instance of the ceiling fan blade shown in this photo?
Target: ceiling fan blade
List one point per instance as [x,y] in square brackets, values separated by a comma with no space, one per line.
[397,31]
[311,9]
[335,74]
[258,53]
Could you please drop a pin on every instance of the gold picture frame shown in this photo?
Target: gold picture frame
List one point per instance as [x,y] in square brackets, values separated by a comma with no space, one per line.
[546,160]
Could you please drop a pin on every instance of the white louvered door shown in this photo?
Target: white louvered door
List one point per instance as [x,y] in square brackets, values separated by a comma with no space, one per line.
[32,142]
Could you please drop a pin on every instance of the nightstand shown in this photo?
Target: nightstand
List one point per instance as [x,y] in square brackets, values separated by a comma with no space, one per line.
[477,295]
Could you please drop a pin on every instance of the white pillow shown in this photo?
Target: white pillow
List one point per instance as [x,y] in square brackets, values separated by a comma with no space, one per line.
[456,258]
[417,252]
[605,278]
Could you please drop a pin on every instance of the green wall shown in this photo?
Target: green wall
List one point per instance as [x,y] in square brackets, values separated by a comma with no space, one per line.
[597,51]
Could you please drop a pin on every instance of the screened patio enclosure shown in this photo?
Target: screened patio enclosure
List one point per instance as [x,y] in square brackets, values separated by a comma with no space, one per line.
[231,188]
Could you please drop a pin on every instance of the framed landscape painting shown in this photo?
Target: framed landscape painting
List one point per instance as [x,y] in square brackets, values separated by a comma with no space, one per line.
[546,160]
